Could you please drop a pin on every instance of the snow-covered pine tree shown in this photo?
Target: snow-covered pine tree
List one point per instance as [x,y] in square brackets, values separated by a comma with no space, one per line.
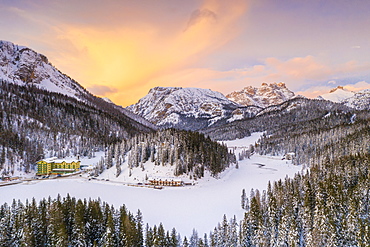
[243,199]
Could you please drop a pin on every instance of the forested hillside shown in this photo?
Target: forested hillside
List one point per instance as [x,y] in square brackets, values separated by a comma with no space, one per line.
[35,123]
[189,152]
[322,139]
[328,206]
[292,112]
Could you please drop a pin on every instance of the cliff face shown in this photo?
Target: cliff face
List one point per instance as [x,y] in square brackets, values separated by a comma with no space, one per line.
[264,96]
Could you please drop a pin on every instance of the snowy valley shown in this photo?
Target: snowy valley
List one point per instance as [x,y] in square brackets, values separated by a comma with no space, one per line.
[199,206]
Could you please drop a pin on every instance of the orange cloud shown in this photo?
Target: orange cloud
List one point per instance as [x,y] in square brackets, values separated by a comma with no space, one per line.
[121,49]
[132,59]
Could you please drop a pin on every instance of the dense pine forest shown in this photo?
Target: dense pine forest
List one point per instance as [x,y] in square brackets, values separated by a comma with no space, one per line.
[69,222]
[328,206]
[189,152]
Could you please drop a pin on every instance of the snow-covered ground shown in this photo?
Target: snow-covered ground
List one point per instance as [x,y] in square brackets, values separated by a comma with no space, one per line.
[200,206]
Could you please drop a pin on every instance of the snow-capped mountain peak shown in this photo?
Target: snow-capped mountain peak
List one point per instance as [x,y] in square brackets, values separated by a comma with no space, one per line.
[22,65]
[337,94]
[264,96]
[163,104]
[170,106]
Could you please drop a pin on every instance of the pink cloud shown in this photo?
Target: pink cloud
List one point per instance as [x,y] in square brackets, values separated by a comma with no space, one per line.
[297,73]
[315,91]
[299,68]
[361,85]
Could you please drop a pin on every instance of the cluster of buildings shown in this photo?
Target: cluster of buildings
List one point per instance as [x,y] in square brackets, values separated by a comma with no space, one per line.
[165,182]
[54,166]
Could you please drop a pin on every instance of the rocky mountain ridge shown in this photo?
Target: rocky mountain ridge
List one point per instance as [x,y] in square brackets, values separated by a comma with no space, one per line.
[189,108]
[264,96]
[196,108]
[24,66]
[200,109]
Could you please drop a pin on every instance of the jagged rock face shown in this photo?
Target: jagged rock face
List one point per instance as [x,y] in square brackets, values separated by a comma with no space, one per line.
[188,108]
[21,65]
[264,96]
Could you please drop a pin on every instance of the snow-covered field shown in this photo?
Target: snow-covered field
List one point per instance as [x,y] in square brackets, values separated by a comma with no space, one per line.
[200,206]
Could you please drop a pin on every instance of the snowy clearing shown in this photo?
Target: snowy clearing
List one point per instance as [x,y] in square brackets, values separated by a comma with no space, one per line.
[200,206]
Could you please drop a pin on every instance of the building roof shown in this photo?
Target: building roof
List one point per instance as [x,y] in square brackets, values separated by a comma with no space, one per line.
[56,160]
[164,179]
[63,170]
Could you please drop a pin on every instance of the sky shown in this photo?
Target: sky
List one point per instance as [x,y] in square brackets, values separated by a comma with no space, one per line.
[121,48]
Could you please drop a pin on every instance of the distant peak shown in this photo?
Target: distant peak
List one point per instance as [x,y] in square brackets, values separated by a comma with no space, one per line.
[281,84]
[163,89]
[266,95]
[337,88]
[337,94]
[274,84]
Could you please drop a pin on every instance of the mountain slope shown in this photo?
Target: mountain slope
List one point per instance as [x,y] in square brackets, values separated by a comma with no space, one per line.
[46,113]
[189,108]
[295,111]
[359,101]
[22,65]
[266,95]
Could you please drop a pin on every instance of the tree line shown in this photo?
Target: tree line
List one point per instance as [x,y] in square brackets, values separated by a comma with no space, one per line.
[68,222]
[188,152]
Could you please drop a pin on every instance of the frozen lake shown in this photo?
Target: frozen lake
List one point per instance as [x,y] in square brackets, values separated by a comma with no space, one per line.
[200,206]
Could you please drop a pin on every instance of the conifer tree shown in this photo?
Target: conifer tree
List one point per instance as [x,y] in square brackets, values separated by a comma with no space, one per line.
[194,240]
[78,230]
[243,199]
[185,242]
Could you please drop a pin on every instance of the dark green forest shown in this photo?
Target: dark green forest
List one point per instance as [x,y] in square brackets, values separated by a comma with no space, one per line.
[188,152]
[69,222]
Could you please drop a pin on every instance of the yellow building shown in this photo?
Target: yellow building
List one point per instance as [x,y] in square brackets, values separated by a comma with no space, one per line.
[54,166]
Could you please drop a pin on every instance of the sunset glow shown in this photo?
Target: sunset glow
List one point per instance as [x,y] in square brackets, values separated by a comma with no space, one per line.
[121,49]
